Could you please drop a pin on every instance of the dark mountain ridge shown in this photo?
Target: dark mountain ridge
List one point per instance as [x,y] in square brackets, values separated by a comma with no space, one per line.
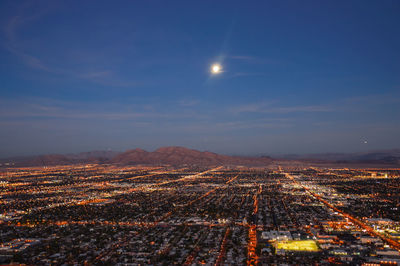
[178,156]
[59,159]
[175,156]
[391,157]
[184,156]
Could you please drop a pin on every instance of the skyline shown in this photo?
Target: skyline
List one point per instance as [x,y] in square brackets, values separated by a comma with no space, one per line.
[297,78]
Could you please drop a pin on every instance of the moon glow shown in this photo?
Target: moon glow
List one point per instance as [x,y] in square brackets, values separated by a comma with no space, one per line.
[216,69]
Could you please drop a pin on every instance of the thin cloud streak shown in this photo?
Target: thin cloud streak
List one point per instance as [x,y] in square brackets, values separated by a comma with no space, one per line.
[246,74]
[54,109]
[267,108]
[13,45]
[375,99]
[254,60]
[91,115]
[232,126]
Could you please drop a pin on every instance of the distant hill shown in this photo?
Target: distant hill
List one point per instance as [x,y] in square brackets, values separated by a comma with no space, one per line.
[185,156]
[389,157]
[58,159]
[178,156]
[175,156]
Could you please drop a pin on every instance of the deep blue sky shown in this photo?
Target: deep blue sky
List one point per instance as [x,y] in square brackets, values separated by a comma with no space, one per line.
[299,76]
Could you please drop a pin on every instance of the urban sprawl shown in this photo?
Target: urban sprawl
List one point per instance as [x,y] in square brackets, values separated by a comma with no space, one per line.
[142,215]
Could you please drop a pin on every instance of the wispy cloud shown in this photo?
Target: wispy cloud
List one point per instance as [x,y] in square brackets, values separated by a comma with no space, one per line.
[188,103]
[374,99]
[269,108]
[52,109]
[254,59]
[244,57]
[251,60]
[251,107]
[109,78]
[246,74]
[229,125]
[32,61]
[257,123]
[62,113]
[97,74]
[296,109]
[11,28]
[15,45]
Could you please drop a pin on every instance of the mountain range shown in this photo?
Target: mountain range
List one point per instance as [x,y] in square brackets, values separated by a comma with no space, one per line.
[185,156]
[391,157]
[178,156]
[174,156]
[60,159]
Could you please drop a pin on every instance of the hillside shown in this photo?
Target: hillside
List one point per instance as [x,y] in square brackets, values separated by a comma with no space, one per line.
[185,156]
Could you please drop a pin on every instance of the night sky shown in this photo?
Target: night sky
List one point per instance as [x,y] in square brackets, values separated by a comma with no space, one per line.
[297,76]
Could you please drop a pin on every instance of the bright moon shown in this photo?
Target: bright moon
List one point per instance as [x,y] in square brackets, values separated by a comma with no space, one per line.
[215,69]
